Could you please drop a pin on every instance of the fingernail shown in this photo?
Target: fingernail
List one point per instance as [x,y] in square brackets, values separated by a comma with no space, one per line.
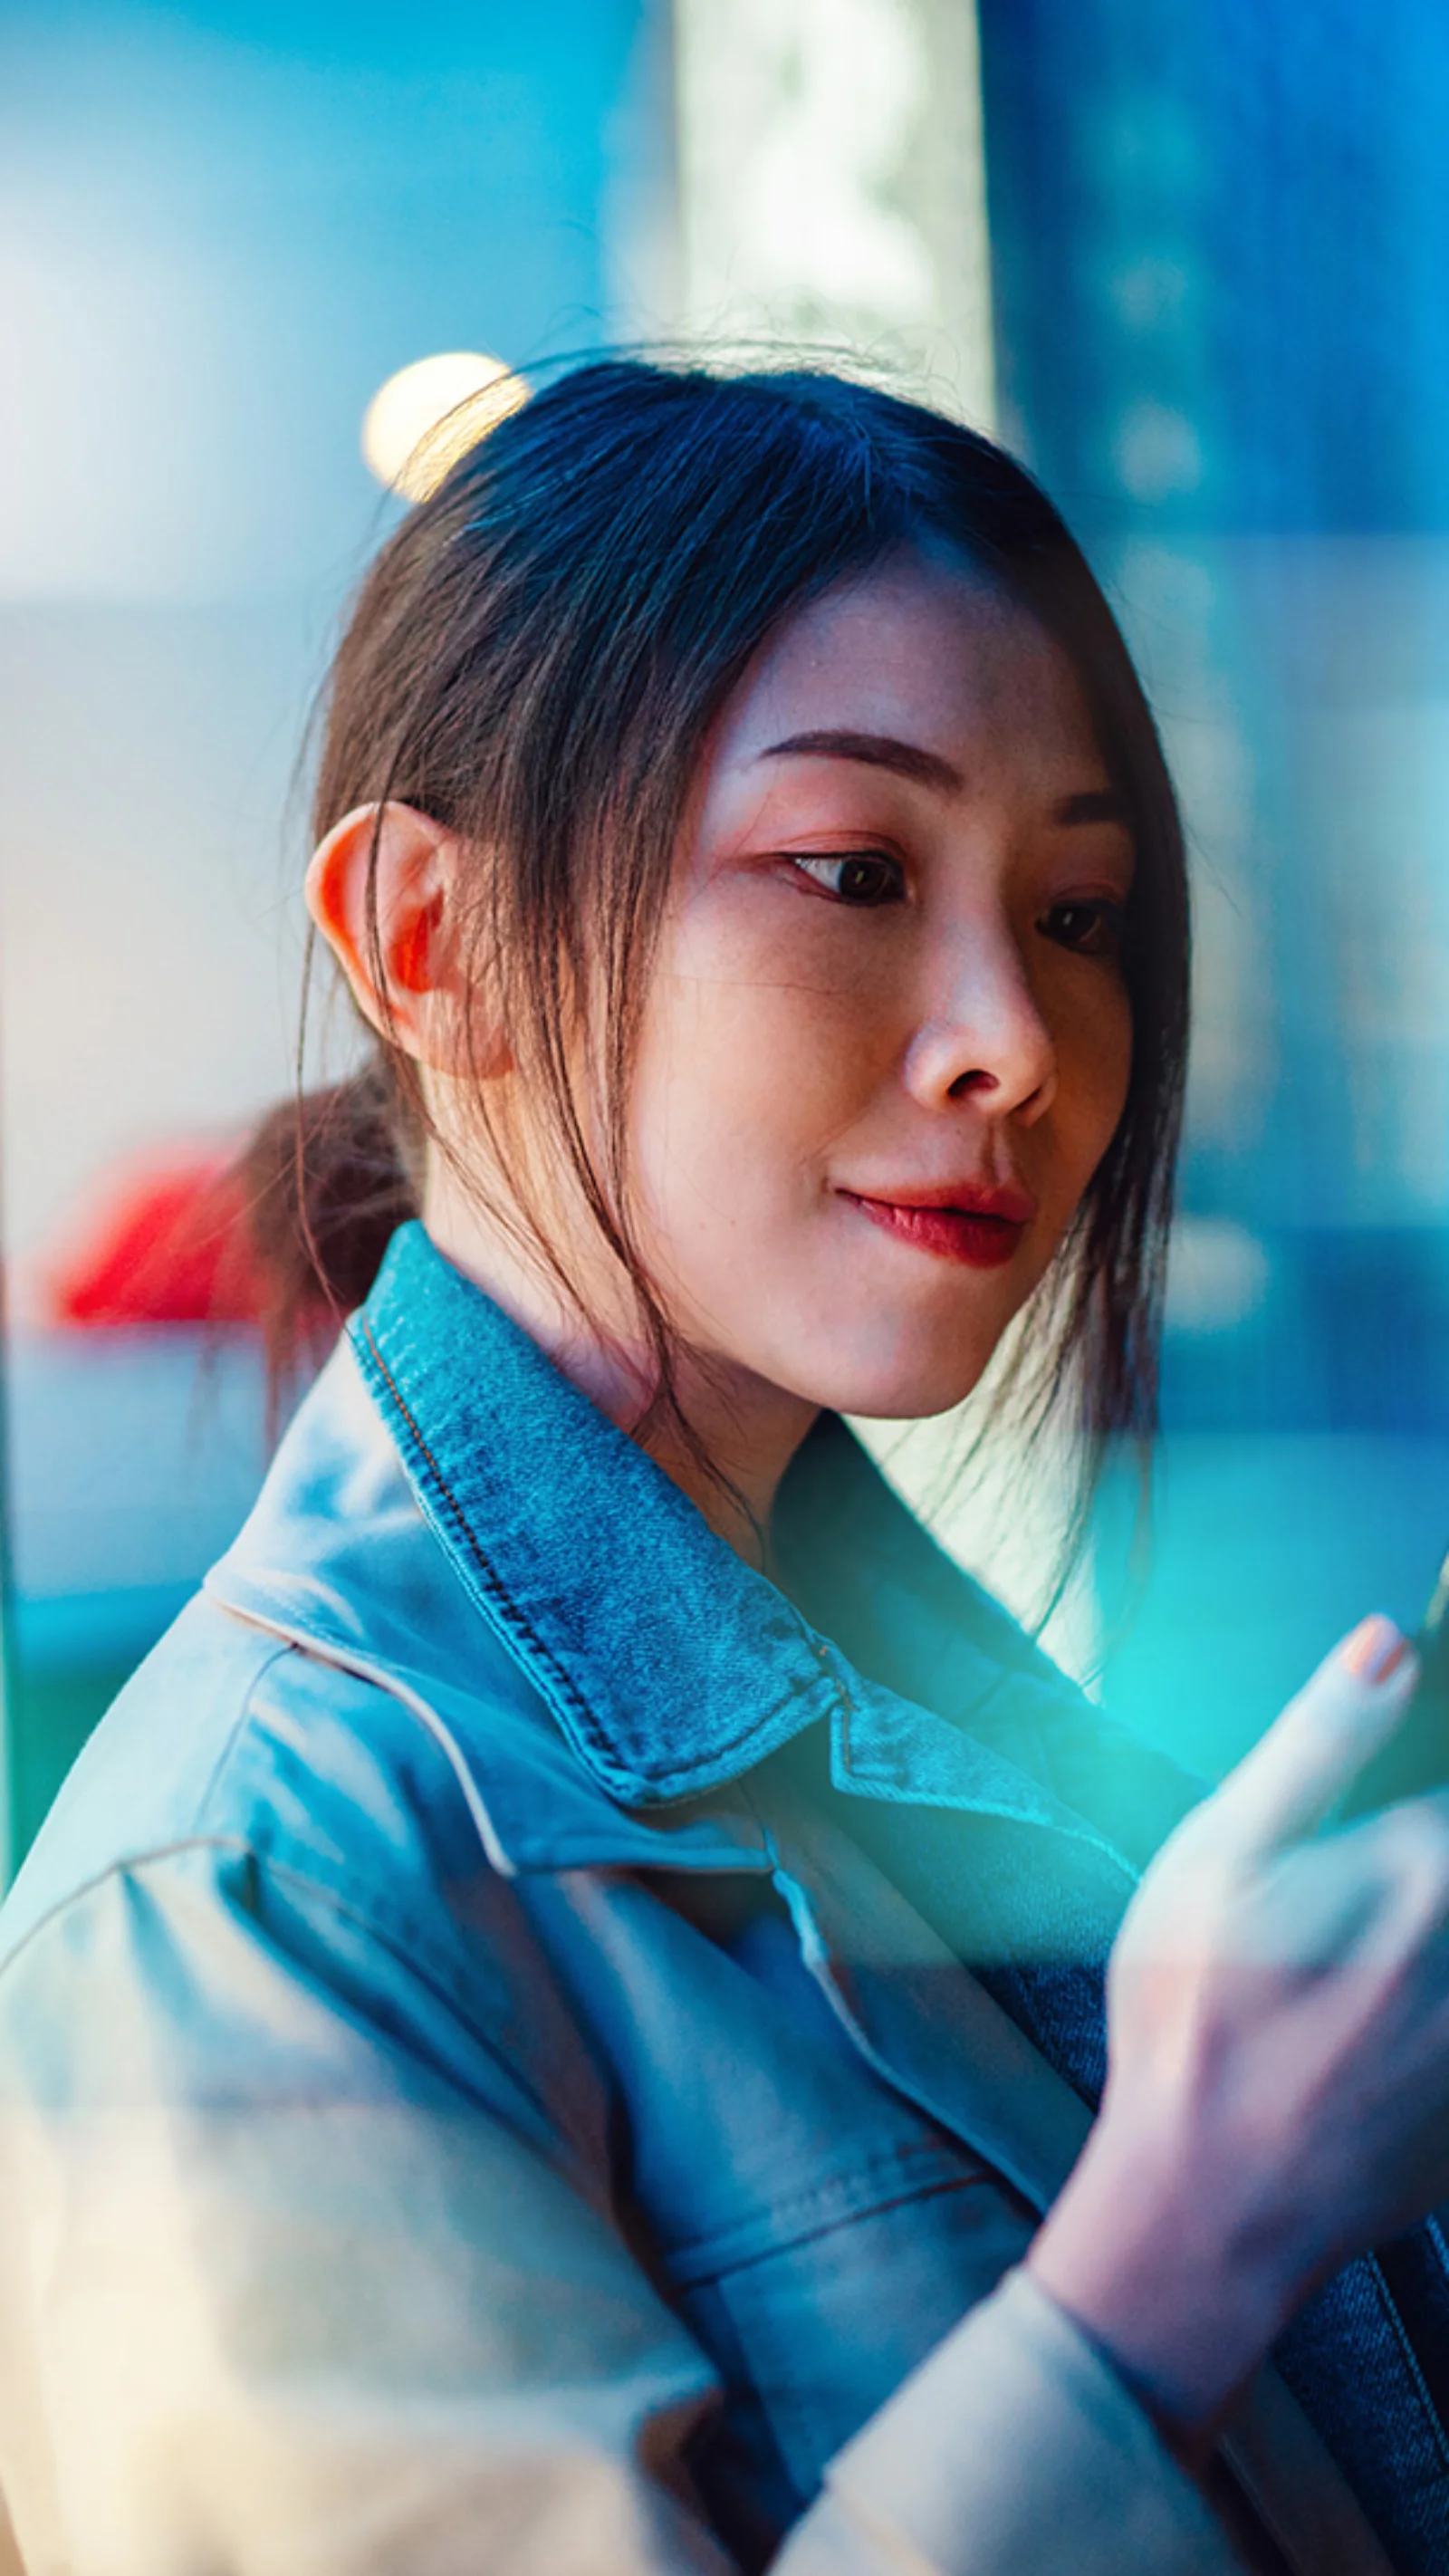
[1375,1649]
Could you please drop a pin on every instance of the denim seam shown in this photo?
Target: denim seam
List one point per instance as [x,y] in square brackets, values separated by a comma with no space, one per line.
[138,1866]
[697,2261]
[500,1601]
[1411,2360]
[206,1801]
[128,1865]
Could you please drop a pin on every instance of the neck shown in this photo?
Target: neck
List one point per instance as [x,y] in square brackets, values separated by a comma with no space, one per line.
[748,1429]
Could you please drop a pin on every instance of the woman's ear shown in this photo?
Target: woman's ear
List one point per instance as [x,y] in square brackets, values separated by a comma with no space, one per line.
[392,932]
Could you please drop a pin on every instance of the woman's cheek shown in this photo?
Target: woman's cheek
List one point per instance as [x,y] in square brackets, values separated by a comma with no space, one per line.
[1094,1066]
[1111,1074]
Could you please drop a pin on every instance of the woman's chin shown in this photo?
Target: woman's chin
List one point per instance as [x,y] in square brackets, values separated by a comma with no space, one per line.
[903,1386]
[910,1403]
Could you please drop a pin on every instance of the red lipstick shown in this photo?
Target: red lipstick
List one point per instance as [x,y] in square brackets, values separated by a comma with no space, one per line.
[980,1226]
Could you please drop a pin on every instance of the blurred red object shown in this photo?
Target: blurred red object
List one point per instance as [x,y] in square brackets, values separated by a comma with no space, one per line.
[171,1248]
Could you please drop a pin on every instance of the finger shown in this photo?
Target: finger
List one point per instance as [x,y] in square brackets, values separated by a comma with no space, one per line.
[1323,1739]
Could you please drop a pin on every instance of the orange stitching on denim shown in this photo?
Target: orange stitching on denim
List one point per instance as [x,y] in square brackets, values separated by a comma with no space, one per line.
[520,1619]
[465,1528]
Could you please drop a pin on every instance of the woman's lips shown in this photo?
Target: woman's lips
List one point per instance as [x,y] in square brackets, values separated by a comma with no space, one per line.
[978,1236]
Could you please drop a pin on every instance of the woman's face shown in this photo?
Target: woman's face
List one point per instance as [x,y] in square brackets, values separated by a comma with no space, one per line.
[887,1041]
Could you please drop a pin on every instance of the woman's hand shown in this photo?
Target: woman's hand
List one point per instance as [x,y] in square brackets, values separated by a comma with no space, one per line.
[1278,2018]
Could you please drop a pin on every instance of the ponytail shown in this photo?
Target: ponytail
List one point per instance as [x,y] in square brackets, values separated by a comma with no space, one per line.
[325,1184]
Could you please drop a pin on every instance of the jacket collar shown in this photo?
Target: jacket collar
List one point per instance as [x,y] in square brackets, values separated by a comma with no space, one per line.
[668,1665]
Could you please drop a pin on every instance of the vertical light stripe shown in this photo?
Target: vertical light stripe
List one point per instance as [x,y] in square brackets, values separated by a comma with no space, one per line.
[832,187]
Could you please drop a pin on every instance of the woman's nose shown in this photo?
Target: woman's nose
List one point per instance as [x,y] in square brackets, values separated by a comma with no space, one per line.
[985,1037]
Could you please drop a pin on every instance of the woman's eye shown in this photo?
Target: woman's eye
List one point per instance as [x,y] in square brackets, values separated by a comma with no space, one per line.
[1091,926]
[855,876]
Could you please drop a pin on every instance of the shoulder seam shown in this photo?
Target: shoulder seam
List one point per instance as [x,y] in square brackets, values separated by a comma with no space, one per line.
[195,1840]
[136,1865]
[226,1751]
[126,1861]
[336,1658]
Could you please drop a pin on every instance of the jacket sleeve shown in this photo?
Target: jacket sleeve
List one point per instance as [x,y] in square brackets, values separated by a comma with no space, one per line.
[280,2297]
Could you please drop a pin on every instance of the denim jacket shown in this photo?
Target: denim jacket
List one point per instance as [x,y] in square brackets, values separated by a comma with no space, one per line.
[488,2078]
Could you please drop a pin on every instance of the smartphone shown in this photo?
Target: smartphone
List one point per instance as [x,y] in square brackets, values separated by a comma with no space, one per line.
[1417,1756]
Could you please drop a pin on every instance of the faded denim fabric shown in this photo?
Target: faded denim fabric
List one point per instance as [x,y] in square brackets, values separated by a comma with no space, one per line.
[487,2074]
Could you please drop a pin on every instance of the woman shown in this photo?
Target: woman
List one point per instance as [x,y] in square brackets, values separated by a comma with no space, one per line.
[556,2025]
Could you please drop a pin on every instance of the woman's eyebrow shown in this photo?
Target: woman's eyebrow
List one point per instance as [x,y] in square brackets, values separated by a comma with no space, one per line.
[879,750]
[1092,805]
[928,768]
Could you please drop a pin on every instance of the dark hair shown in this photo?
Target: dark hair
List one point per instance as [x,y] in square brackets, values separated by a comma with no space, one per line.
[534,661]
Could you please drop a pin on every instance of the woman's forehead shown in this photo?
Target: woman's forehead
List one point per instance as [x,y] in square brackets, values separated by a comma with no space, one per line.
[918,650]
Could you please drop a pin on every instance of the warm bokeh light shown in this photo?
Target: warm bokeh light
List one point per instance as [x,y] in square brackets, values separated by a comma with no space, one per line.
[429,414]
